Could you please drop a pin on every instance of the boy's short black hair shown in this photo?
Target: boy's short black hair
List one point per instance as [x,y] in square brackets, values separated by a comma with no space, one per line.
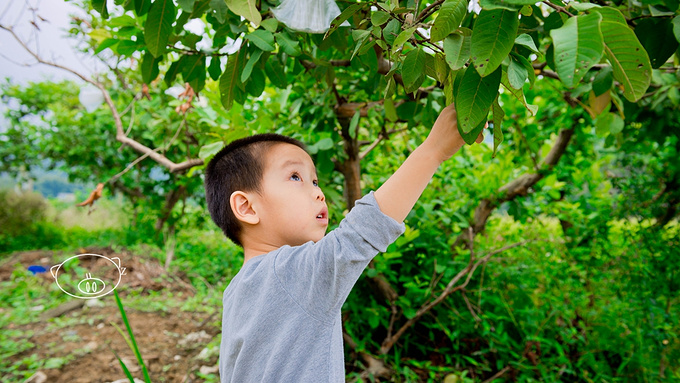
[239,166]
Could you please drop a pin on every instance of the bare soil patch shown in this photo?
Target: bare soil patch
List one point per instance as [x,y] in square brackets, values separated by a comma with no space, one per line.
[172,342]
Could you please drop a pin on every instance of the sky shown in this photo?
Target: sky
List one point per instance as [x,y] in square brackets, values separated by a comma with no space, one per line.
[50,41]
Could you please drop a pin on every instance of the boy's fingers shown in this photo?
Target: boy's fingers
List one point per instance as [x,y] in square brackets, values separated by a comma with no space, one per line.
[480,138]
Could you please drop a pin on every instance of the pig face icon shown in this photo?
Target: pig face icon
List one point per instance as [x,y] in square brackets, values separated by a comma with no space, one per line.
[105,275]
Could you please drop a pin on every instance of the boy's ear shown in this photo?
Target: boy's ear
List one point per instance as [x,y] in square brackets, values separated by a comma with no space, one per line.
[242,205]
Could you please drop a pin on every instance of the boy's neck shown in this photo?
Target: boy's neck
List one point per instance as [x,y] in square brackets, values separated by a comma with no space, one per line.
[251,251]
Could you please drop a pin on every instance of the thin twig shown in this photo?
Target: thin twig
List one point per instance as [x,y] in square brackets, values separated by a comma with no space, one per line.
[469,306]
[526,142]
[120,134]
[145,155]
[133,163]
[469,270]
[430,9]
[132,119]
[498,375]
[557,8]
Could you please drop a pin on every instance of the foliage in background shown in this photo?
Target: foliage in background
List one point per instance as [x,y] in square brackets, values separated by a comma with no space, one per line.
[589,290]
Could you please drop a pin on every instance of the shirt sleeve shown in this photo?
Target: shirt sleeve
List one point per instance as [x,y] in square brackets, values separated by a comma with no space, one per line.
[319,276]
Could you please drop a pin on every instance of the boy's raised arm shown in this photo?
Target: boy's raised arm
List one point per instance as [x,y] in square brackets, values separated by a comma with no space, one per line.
[400,192]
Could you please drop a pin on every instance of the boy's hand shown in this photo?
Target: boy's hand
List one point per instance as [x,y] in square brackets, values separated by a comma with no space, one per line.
[444,138]
[400,192]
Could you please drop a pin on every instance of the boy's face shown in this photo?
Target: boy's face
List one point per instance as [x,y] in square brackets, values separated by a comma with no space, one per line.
[292,207]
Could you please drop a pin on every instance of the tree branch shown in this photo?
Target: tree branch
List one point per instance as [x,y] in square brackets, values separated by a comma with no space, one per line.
[558,8]
[429,10]
[469,270]
[519,186]
[120,134]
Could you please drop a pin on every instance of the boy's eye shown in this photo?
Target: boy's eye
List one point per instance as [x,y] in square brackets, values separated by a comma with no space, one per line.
[315,183]
[295,177]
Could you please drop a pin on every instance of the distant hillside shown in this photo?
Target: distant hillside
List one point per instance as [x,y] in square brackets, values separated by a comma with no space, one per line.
[48,183]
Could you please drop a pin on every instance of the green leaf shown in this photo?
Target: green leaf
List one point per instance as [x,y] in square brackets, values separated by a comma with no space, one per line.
[229,81]
[247,9]
[210,150]
[403,37]
[215,69]
[629,59]
[290,46]
[126,47]
[413,70]
[100,6]
[256,83]
[676,27]
[519,2]
[192,66]
[343,16]
[471,136]
[553,21]
[353,124]
[262,39]
[221,10]
[142,7]
[578,46]
[441,68]
[186,5]
[526,10]
[603,81]
[359,36]
[390,110]
[254,57]
[171,73]
[125,369]
[158,27]
[276,73]
[493,36]
[457,48]
[379,18]
[135,348]
[608,123]
[498,4]
[391,31]
[582,7]
[123,21]
[498,115]
[527,65]
[518,94]
[475,96]
[517,73]
[270,24]
[197,82]
[390,87]
[107,43]
[526,41]
[656,35]
[448,19]
[150,67]
[325,144]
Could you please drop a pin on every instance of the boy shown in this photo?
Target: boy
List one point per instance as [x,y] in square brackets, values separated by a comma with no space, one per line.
[281,320]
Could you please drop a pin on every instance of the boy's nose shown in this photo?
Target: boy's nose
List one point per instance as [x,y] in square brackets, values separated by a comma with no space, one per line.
[320,196]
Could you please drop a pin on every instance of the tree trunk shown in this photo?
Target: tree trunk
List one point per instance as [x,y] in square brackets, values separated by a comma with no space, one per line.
[519,186]
[351,167]
[171,200]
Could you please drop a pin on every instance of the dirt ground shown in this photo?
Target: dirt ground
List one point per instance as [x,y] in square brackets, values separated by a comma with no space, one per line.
[172,342]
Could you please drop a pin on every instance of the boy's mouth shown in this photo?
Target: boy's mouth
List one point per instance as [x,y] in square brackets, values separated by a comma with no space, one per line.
[323,214]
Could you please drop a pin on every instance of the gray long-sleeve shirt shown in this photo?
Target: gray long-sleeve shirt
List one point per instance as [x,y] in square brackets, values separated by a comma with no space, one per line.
[281,320]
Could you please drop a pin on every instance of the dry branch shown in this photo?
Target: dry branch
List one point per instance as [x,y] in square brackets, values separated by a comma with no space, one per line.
[120,133]
[451,287]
